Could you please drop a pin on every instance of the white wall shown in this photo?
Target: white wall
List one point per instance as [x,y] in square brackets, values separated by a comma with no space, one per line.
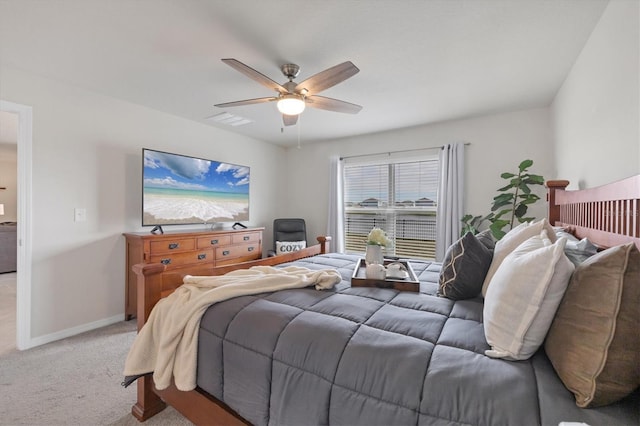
[596,114]
[498,143]
[86,153]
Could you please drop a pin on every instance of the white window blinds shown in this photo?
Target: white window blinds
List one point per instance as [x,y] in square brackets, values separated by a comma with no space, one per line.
[398,196]
[366,183]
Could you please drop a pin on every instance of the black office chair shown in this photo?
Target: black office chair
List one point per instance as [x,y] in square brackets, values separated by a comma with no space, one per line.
[289,230]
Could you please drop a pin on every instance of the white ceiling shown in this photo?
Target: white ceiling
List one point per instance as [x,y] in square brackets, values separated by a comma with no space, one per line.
[420,61]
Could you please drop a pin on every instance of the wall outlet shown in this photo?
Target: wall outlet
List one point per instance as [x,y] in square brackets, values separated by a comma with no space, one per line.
[80,214]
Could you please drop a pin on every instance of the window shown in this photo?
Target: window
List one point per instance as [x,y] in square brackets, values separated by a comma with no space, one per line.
[398,196]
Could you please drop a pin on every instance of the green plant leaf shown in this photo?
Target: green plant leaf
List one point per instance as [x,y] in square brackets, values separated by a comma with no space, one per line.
[503,197]
[498,215]
[505,188]
[489,217]
[525,188]
[507,175]
[501,204]
[525,165]
[521,210]
[496,228]
[536,179]
[472,223]
[531,194]
[529,200]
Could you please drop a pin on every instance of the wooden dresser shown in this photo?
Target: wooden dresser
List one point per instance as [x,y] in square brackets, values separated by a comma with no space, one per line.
[180,249]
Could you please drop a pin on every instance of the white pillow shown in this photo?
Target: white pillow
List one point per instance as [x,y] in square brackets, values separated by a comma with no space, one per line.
[511,241]
[523,297]
[284,247]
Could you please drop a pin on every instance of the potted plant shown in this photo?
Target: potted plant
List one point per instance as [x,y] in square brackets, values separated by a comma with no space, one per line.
[511,204]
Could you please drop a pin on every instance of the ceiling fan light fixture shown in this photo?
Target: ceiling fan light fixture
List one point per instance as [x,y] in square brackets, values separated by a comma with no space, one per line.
[290,104]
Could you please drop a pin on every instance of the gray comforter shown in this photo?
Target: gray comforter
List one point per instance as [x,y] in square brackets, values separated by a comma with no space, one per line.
[376,356]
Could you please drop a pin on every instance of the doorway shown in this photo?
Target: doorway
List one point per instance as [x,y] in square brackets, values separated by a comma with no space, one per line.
[23,276]
[8,229]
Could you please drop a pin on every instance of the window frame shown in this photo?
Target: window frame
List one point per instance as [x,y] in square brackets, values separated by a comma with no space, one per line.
[392,215]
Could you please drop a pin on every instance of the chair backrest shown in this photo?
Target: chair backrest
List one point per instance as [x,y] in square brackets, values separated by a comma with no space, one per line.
[289,229]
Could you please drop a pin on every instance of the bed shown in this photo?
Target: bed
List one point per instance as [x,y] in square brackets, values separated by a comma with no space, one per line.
[379,356]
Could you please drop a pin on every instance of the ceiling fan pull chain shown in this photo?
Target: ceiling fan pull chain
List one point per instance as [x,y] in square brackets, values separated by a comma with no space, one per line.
[299,125]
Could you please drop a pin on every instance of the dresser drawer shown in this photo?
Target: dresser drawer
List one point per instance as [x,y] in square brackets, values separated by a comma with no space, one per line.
[185,252]
[175,260]
[249,237]
[214,241]
[240,250]
[172,245]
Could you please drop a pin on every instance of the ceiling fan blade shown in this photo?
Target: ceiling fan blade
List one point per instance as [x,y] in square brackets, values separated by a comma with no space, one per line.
[327,78]
[245,102]
[255,75]
[322,102]
[289,120]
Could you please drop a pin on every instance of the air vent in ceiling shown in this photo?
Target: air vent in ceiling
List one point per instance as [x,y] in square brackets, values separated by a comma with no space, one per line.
[229,119]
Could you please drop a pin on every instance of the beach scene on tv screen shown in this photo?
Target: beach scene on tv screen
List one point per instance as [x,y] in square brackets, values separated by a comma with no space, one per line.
[182,190]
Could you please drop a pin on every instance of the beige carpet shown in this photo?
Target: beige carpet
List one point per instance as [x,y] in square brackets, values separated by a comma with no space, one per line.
[7,313]
[75,381]
[168,417]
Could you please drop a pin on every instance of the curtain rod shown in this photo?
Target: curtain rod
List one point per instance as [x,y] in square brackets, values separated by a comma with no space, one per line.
[396,152]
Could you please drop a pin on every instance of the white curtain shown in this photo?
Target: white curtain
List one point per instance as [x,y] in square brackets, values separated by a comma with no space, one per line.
[335,216]
[450,197]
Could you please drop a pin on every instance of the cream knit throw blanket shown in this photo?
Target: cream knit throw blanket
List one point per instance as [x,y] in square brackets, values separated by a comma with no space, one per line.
[168,342]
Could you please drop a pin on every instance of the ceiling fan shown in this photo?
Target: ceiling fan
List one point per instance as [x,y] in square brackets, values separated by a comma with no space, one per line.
[292,97]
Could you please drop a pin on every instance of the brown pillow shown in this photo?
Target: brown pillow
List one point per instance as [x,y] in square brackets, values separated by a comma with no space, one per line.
[594,340]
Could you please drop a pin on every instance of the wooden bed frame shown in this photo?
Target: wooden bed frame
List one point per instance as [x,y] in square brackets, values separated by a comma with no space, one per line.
[607,215]
[153,283]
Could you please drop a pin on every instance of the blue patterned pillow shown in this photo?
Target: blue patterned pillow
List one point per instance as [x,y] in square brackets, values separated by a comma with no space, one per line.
[464,268]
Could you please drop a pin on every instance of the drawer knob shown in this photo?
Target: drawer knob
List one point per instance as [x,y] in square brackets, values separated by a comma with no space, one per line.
[214,242]
[173,246]
[202,256]
[225,253]
[246,238]
[250,248]
[165,261]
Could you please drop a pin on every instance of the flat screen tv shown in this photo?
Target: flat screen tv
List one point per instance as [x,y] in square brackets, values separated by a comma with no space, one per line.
[180,190]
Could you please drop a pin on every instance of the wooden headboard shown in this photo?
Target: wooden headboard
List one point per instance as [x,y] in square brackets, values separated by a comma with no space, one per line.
[608,215]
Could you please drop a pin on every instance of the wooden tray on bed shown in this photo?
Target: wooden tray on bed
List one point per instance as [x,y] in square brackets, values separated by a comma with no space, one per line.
[411,283]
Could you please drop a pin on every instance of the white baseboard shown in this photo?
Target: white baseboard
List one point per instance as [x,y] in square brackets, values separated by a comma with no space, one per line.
[63,334]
